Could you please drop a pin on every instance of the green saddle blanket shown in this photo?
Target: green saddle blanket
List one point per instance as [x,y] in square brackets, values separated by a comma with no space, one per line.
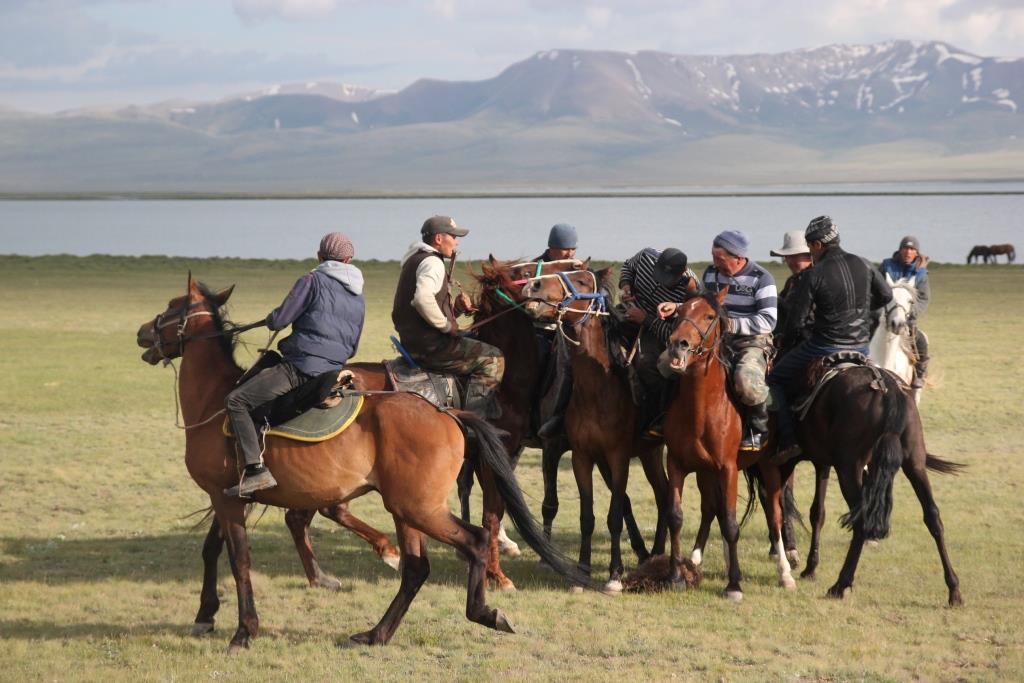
[316,424]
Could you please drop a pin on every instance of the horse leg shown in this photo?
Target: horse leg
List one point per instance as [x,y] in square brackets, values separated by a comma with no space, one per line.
[619,470]
[465,488]
[676,477]
[788,536]
[415,570]
[851,484]
[917,474]
[378,539]
[817,520]
[551,455]
[708,510]
[494,508]
[209,603]
[232,518]
[654,469]
[773,513]
[730,529]
[636,538]
[583,469]
[298,522]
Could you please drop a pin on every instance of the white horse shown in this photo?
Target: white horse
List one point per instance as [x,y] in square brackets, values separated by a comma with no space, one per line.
[892,346]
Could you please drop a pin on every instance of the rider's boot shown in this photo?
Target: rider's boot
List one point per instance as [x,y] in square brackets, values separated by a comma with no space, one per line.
[787,447]
[657,405]
[755,427]
[255,477]
[563,392]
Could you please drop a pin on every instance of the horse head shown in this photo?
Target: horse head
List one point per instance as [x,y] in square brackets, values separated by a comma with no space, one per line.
[572,295]
[897,312]
[700,323]
[164,337]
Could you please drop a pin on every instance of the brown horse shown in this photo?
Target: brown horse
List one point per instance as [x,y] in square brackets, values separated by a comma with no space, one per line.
[1006,250]
[601,417]
[867,428]
[399,445]
[500,293]
[702,432]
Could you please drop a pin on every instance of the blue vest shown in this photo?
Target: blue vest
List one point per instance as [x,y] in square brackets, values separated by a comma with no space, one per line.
[897,270]
[327,334]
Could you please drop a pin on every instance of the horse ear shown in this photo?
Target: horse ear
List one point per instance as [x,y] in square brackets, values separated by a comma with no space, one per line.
[223,296]
[586,264]
[722,293]
[604,276]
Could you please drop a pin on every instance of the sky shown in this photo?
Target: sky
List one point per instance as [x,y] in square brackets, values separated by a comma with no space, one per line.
[66,54]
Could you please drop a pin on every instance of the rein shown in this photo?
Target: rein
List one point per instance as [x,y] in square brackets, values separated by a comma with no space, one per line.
[596,303]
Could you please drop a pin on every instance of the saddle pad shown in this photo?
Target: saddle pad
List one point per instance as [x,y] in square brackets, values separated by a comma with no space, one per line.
[317,424]
[832,367]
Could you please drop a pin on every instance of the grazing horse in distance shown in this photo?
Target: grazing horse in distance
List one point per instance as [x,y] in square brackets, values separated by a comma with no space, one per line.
[979,251]
[1006,250]
[399,445]
[892,346]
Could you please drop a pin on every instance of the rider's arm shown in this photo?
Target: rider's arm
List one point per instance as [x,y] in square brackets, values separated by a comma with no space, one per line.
[881,292]
[923,296]
[429,281]
[799,305]
[628,270]
[766,298]
[294,304]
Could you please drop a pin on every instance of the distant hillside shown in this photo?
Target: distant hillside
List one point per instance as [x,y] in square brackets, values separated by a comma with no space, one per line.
[892,111]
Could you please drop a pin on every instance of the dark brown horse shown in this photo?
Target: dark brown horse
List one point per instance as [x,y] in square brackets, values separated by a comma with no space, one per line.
[867,429]
[702,433]
[1006,250]
[601,417]
[399,445]
[979,251]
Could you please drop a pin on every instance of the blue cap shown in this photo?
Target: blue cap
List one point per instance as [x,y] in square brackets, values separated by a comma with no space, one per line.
[733,241]
[562,236]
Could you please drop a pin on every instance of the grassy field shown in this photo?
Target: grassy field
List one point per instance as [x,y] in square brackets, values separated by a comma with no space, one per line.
[100,569]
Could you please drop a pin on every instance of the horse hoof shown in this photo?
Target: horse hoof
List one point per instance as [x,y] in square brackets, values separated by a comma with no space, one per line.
[794,558]
[201,628]
[696,557]
[808,574]
[327,582]
[955,600]
[364,638]
[505,585]
[502,622]
[734,596]
[236,649]
[871,542]
[392,561]
[836,593]
[510,550]
[575,590]
[788,582]
[613,587]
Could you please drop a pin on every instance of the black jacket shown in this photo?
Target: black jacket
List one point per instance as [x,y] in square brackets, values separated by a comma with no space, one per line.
[801,331]
[842,289]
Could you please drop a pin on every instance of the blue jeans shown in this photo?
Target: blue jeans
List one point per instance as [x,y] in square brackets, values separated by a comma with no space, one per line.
[791,368]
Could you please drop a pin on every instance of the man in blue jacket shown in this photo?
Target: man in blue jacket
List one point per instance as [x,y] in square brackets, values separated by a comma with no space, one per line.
[908,266]
[326,310]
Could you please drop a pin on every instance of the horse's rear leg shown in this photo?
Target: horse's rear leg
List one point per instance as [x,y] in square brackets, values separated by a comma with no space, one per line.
[730,530]
[851,484]
[494,508]
[465,487]
[709,502]
[918,476]
[773,514]
[378,539]
[231,517]
[298,522]
[209,603]
[817,520]
[415,570]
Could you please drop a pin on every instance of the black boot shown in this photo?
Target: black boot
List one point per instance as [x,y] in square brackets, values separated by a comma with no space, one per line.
[563,388]
[755,427]
[658,404]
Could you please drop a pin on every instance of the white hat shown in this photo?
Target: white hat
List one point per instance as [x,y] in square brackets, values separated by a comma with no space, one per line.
[793,242]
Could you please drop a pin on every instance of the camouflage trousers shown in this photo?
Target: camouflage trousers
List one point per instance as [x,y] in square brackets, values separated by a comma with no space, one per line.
[750,354]
[480,363]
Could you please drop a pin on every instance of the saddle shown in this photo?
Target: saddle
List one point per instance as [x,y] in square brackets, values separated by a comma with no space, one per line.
[821,371]
[444,391]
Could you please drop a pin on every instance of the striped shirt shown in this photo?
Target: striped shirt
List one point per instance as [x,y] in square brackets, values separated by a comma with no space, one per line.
[752,302]
[638,273]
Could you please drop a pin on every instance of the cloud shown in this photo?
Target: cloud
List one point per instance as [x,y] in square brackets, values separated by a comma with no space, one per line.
[252,11]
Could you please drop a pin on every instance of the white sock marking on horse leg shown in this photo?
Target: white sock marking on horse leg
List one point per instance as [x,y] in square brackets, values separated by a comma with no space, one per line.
[696,556]
[507,545]
[785,571]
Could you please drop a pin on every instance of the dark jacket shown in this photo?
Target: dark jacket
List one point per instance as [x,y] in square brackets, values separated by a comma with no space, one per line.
[801,331]
[916,273]
[416,334]
[326,310]
[842,289]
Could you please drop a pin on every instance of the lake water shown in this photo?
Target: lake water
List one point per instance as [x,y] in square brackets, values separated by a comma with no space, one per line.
[610,228]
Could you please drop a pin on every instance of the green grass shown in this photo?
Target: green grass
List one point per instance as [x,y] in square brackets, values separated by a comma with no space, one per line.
[100,569]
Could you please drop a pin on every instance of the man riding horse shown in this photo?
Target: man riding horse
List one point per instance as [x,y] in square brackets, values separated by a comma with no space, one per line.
[843,289]
[752,307]
[908,266]
[797,257]
[424,315]
[326,309]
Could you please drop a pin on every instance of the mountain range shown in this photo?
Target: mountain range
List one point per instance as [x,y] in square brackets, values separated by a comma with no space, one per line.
[899,110]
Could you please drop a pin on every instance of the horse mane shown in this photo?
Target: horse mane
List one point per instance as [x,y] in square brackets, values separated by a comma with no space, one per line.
[221,322]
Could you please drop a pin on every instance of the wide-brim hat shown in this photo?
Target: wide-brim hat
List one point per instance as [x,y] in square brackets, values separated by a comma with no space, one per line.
[793,243]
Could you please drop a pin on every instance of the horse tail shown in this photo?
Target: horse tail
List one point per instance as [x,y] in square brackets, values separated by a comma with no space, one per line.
[757,490]
[492,454]
[933,462]
[874,511]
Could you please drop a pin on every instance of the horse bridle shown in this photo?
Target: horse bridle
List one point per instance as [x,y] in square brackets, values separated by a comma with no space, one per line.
[703,348]
[181,321]
[596,303]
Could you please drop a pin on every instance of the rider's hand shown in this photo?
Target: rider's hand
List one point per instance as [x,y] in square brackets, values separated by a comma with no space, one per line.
[626,294]
[463,304]
[667,309]
[635,315]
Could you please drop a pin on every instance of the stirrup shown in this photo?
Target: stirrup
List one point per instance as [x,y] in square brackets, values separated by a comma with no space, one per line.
[751,442]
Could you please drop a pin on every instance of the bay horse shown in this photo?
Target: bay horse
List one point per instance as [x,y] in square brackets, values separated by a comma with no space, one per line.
[703,432]
[500,293]
[867,427]
[892,345]
[601,420]
[399,445]
[979,251]
[1006,250]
